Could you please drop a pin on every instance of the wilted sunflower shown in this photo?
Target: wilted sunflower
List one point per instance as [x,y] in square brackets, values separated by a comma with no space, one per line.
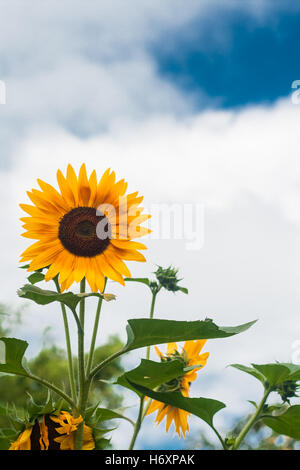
[190,357]
[86,230]
[54,433]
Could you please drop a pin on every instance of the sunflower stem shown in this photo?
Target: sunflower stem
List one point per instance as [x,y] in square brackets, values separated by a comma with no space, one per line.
[68,344]
[142,412]
[138,424]
[94,336]
[81,373]
[251,421]
[154,294]
[53,387]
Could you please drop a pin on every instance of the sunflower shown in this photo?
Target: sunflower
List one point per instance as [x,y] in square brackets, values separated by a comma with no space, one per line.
[85,230]
[54,433]
[190,356]
[24,440]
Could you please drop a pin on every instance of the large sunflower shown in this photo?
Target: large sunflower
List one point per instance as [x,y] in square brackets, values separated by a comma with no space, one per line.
[85,230]
[190,356]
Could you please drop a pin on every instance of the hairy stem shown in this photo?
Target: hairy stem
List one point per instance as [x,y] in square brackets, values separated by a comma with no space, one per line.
[138,424]
[94,336]
[53,388]
[81,371]
[106,361]
[251,421]
[142,412]
[68,344]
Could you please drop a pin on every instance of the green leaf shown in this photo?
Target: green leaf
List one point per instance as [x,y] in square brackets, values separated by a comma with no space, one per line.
[183,289]
[151,374]
[103,414]
[36,277]
[146,332]
[14,353]
[45,297]
[288,423]
[204,408]
[143,280]
[274,373]
[250,370]
[6,437]
[26,266]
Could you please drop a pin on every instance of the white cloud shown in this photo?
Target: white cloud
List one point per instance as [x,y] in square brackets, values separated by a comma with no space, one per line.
[90,72]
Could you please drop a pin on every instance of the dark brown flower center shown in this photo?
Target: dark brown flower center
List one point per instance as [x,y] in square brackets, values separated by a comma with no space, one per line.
[84,232]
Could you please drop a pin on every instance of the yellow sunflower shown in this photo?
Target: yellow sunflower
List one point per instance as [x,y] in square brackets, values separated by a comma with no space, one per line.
[85,230]
[54,433]
[191,356]
[66,428]
[23,442]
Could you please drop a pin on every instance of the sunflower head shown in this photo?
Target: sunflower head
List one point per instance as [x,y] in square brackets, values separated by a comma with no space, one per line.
[54,433]
[193,361]
[84,229]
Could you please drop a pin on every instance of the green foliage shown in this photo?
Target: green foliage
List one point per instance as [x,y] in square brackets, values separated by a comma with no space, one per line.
[52,365]
[14,353]
[286,423]
[146,332]
[149,375]
[272,375]
[45,297]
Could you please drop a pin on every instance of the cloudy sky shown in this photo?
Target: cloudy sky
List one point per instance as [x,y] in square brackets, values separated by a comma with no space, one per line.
[191,105]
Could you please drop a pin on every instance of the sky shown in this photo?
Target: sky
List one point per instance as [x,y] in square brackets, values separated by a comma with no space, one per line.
[191,105]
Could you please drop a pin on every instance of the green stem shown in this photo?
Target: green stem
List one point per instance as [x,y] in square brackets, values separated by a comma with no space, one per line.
[53,388]
[142,412]
[138,424]
[106,361]
[68,344]
[94,336]
[251,421]
[81,372]
[220,438]
[154,294]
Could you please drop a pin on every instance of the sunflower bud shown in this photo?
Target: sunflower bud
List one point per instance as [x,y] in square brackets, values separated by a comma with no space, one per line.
[287,390]
[168,279]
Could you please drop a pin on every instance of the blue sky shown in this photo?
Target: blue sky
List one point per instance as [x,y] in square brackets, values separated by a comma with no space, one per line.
[191,104]
[234,59]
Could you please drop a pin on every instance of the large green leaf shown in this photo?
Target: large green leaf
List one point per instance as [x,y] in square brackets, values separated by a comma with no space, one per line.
[14,353]
[288,423]
[146,332]
[45,297]
[274,373]
[204,408]
[151,374]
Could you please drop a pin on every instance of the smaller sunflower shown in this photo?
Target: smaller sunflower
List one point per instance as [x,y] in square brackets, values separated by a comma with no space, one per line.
[191,356]
[54,433]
